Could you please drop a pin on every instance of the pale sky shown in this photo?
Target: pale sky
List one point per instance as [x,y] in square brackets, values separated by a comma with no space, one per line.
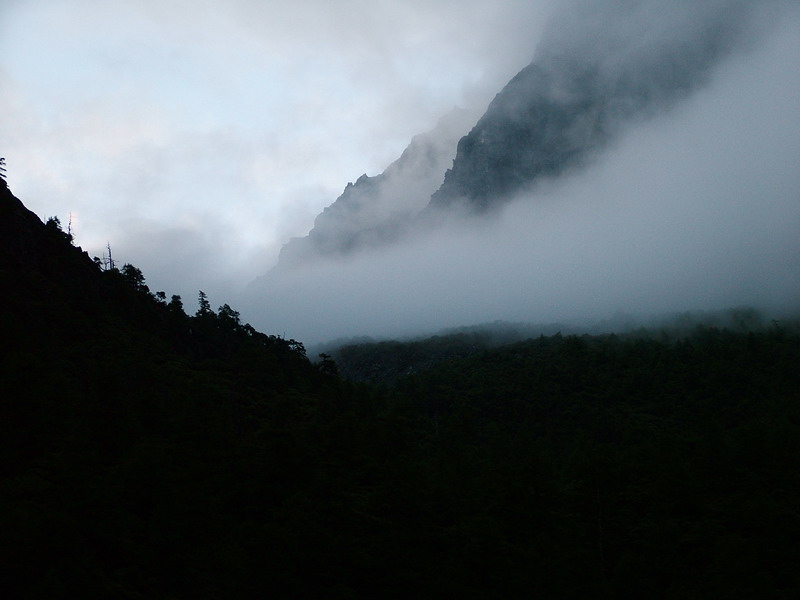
[196,137]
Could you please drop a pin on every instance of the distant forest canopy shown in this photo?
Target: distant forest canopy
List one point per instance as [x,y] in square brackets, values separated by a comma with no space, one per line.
[385,361]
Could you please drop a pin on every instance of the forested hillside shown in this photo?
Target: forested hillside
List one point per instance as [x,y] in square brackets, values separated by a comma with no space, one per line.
[633,468]
[387,361]
[152,454]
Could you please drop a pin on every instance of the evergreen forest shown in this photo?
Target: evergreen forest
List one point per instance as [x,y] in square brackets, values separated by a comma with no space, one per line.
[151,453]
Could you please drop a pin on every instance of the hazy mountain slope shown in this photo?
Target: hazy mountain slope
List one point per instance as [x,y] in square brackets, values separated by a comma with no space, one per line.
[376,210]
[601,66]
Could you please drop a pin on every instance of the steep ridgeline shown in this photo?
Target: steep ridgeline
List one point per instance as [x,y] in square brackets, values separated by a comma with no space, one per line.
[138,440]
[595,70]
[79,331]
[375,210]
[38,261]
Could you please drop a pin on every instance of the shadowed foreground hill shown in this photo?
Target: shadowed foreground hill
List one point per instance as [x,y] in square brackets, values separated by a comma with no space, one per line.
[150,454]
[146,453]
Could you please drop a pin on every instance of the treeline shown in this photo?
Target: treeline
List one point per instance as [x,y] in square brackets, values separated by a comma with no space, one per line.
[612,467]
[385,362]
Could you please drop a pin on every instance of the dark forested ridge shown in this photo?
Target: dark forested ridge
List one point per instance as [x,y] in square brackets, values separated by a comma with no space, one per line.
[147,453]
[385,362]
[650,468]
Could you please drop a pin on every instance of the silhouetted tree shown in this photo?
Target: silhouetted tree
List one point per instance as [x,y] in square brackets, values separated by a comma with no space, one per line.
[327,365]
[228,317]
[134,277]
[176,304]
[204,306]
[296,346]
[53,225]
[108,260]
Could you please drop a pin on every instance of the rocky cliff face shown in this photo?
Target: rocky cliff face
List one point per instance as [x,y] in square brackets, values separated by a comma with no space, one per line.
[598,69]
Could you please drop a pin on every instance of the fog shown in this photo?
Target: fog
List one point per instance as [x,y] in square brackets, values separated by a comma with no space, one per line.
[376,208]
[695,207]
[198,137]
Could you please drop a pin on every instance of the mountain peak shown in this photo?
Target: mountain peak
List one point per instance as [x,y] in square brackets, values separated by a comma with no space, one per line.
[581,90]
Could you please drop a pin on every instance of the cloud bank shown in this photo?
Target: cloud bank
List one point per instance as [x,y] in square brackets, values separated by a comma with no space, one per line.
[696,208]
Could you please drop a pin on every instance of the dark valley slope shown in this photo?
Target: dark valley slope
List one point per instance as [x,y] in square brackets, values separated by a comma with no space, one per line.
[147,453]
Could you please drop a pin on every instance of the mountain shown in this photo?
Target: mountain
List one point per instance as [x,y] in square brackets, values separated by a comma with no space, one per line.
[601,67]
[596,71]
[144,449]
[376,210]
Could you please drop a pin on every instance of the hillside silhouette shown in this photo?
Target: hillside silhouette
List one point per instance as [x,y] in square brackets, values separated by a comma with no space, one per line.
[148,453]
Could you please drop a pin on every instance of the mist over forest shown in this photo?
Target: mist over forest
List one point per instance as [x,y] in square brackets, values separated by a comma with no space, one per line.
[684,196]
[591,286]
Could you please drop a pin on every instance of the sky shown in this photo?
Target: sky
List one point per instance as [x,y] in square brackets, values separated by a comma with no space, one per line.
[197,137]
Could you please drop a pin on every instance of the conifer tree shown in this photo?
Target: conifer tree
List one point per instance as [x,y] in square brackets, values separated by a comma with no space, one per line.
[204,305]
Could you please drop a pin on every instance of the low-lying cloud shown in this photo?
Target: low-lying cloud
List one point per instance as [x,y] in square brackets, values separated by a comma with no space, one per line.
[697,208]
